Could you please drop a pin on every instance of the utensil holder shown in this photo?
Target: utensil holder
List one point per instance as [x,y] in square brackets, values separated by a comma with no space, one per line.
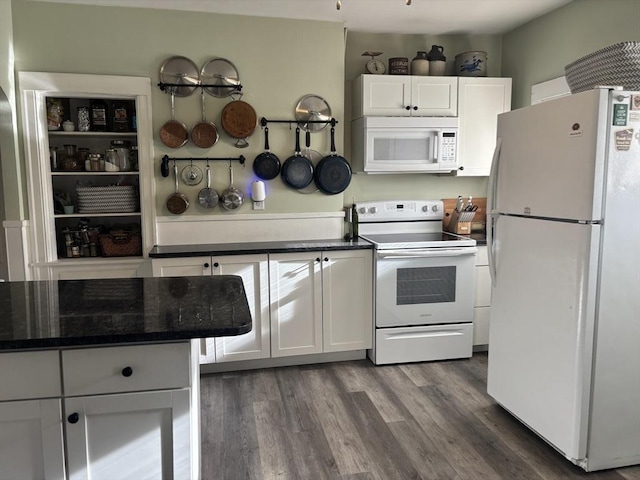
[460,222]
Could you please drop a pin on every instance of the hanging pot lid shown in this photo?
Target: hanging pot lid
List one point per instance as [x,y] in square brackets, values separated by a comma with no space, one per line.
[219,71]
[312,108]
[181,71]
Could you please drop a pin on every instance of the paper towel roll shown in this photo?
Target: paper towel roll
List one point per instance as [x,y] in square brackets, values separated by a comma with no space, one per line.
[257,191]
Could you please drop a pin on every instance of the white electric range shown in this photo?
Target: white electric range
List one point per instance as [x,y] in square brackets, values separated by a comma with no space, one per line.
[424,282]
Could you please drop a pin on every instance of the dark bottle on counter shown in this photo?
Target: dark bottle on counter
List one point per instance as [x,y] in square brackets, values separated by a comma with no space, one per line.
[120,116]
[354,219]
[99,116]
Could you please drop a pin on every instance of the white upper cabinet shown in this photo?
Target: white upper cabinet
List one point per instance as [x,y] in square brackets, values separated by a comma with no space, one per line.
[480,101]
[405,96]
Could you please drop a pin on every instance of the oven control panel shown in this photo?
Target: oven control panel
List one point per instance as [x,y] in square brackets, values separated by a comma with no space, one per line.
[400,210]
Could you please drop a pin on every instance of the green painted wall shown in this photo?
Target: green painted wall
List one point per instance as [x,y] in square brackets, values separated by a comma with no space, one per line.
[539,50]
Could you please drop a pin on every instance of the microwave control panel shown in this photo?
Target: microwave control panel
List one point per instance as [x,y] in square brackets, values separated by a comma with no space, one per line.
[448,150]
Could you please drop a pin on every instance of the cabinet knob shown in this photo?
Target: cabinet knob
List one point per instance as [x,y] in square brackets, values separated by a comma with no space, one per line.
[318,260]
[460,167]
[408,107]
[206,265]
[326,259]
[73,418]
[127,371]
[415,108]
[216,265]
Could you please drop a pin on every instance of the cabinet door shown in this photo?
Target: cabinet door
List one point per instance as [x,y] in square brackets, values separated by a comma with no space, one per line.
[130,436]
[31,440]
[181,267]
[480,101]
[386,95]
[481,316]
[296,303]
[434,96]
[347,300]
[254,271]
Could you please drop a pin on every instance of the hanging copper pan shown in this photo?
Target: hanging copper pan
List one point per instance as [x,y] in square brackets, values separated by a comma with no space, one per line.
[239,120]
[204,134]
[173,133]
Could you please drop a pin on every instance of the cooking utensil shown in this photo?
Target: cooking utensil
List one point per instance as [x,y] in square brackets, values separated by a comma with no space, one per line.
[297,170]
[459,203]
[219,74]
[192,175]
[177,203]
[232,198]
[333,173]
[312,108]
[266,165]
[208,197]
[239,120]
[314,156]
[204,134]
[182,72]
[173,133]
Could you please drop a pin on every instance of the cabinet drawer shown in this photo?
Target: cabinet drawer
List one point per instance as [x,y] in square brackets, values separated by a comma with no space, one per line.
[25,375]
[126,369]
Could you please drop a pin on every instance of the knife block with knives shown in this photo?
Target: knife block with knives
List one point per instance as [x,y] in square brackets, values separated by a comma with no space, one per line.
[464,223]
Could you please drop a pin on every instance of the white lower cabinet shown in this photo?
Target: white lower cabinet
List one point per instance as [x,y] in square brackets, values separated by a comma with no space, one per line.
[482,306]
[255,276]
[31,440]
[321,302]
[126,413]
[133,435]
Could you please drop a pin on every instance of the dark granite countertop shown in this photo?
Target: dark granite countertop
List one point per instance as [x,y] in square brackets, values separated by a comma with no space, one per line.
[168,251]
[479,237]
[43,314]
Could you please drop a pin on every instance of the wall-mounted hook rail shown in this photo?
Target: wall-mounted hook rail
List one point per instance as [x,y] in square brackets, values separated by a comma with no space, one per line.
[164,166]
[264,121]
[164,86]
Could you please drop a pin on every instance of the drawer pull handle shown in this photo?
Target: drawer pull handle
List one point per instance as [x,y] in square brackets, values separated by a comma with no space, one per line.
[216,264]
[127,371]
[206,265]
[73,418]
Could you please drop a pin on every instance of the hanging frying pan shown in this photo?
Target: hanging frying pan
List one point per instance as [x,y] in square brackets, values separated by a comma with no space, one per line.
[177,202]
[181,72]
[239,120]
[314,156]
[267,164]
[312,108]
[173,133]
[297,170]
[208,197]
[220,77]
[204,134]
[333,173]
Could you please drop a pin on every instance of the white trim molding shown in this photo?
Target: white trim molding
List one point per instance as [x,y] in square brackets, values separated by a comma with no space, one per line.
[17,242]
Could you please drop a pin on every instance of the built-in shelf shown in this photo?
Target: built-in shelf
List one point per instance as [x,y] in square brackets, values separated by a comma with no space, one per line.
[83,215]
[61,133]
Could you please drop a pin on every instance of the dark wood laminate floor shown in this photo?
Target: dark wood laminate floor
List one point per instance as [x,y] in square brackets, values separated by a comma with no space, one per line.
[356,421]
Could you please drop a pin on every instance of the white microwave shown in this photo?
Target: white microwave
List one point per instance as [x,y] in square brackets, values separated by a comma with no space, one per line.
[404,144]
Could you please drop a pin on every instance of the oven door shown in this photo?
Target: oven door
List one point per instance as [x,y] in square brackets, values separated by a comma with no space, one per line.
[424,286]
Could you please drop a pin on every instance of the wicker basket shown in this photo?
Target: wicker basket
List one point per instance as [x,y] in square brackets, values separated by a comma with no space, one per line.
[121,244]
[108,199]
[615,65]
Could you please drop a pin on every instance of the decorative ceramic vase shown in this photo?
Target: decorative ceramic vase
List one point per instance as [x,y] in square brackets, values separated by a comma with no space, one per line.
[420,64]
[437,60]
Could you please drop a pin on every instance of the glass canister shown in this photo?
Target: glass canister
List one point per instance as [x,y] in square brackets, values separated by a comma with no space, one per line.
[111,160]
[96,161]
[122,148]
[84,122]
[83,158]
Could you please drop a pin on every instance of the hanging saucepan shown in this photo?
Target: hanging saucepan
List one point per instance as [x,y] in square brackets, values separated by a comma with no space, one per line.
[231,198]
[208,197]
[182,74]
[297,170]
[173,133]
[220,77]
[315,157]
[177,202]
[333,173]
[239,120]
[312,108]
[204,134]
[267,164]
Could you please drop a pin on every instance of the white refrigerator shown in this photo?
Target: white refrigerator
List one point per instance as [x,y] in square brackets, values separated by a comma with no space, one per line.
[564,255]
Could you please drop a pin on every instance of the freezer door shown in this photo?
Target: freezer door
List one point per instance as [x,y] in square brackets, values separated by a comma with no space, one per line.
[542,316]
[552,157]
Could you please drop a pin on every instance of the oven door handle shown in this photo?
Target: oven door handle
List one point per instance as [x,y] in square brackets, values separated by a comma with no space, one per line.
[436,252]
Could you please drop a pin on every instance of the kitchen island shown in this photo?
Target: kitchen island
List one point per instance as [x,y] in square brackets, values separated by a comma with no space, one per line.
[100,378]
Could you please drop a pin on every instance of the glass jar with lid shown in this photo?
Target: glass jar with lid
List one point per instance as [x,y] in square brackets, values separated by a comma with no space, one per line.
[111,160]
[122,148]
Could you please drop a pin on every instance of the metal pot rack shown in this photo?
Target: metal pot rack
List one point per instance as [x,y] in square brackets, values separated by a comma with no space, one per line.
[164,86]
[164,166]
[264,121]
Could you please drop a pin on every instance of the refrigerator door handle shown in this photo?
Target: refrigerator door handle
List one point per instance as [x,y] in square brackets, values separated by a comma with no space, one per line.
[492,222]
[493,178]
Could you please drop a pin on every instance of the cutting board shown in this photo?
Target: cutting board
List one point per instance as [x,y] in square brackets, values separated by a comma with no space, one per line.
[479,220]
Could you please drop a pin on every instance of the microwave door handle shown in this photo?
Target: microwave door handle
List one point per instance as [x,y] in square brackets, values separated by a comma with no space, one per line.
[436,137]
